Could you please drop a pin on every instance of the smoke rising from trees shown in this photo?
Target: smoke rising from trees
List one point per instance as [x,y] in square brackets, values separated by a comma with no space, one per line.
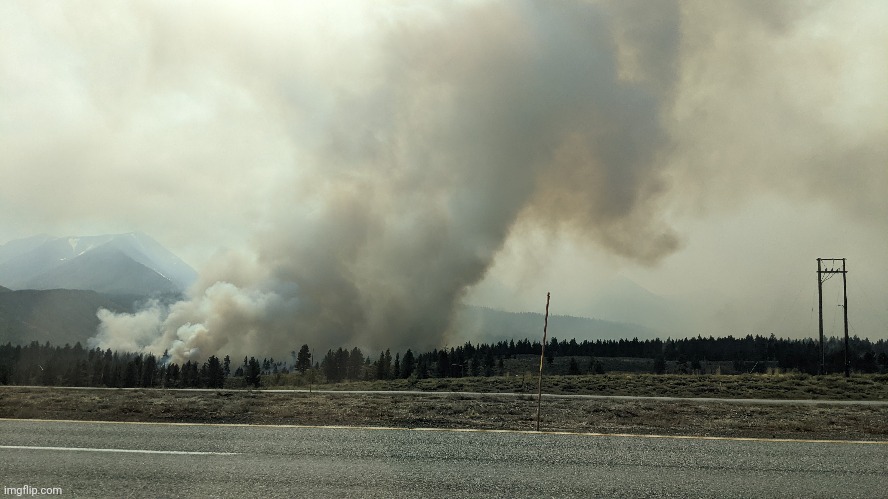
[382,154]
[442,132]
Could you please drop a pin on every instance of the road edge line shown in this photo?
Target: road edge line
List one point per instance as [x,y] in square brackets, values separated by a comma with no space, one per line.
[461,430]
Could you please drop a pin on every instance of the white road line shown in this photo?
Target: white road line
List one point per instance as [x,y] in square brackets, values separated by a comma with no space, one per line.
[125,451]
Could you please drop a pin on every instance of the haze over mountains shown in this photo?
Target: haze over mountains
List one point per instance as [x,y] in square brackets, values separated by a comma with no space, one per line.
[52,287]
[129,264]
[481,324]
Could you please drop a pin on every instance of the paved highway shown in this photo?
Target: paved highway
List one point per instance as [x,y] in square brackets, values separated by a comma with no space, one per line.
[169,460]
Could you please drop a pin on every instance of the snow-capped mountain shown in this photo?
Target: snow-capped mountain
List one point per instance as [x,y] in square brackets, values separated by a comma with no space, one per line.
[131,263]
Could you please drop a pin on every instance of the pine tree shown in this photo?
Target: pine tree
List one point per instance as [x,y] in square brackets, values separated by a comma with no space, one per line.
[422,367]
[253,373]
[387,365]
[172,376]
[553,347]
[408,365]
[149,371]
[355,364]
[341,363]
[380,366]
[131,375]
[443,364]
[303,359]
[475,366]
[488,362]
[331,366]
[190,376]
[215,373]
[203,376]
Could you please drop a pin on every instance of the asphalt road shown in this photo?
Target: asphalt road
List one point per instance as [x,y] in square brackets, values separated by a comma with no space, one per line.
[165,460]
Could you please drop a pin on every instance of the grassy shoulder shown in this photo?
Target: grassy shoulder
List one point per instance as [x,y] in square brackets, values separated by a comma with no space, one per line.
[764,386]
[453,410]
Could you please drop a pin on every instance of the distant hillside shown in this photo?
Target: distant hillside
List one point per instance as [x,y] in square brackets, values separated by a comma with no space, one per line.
[623,300]
[130,263]
[487,324]
[59,316]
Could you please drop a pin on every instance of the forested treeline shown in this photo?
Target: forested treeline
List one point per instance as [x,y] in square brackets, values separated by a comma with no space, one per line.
[486,359]
[37,364]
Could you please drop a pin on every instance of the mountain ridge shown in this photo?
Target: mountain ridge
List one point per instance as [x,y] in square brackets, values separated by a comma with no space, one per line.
[58,316]
[128,263]
[485,324]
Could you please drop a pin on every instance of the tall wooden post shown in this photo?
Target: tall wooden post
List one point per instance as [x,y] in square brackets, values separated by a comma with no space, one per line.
[542,358]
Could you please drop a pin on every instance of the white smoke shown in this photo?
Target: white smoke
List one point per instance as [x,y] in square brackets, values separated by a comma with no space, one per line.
[129,332]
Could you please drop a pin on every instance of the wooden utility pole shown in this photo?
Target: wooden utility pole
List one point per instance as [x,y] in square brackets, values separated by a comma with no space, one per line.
[822,369]
[542,358]
[822,275]
[845,309]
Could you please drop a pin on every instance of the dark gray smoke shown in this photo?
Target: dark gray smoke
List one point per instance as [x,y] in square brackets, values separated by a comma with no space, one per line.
[416,138]
[449,127]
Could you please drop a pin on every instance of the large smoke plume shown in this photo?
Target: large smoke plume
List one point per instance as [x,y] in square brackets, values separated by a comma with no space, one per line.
[415,138]
[441,131]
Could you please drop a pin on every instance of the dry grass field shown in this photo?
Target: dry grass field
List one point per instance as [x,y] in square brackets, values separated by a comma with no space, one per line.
[489,411]
[774,386]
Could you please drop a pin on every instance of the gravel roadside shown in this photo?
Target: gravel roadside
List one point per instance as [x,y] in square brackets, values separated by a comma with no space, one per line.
[426,410]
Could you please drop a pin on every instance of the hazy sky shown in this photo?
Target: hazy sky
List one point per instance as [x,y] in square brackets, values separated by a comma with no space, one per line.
[369,164]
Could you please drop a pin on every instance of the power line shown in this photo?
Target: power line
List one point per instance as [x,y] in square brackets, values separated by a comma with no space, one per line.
[823,274]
